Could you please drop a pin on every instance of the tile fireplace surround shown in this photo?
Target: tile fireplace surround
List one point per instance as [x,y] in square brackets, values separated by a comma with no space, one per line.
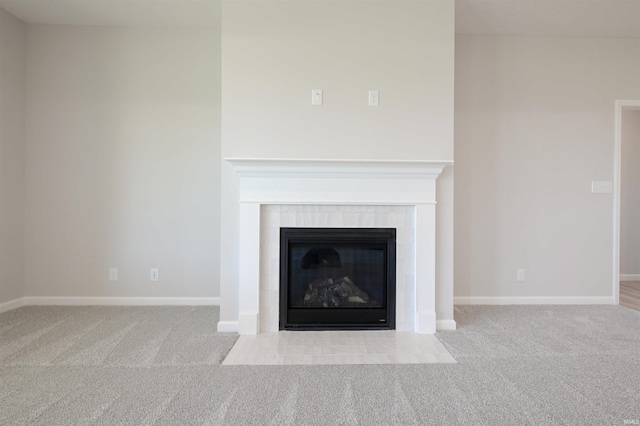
[276,193]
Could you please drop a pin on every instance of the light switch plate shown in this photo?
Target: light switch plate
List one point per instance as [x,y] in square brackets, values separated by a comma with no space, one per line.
[601,187]
[374,98]
[316,97]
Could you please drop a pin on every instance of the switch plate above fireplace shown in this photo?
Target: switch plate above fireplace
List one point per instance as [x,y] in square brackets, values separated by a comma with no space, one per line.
[316,97]
[374,98]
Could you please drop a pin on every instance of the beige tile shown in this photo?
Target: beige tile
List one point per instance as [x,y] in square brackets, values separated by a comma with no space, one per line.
[337,347]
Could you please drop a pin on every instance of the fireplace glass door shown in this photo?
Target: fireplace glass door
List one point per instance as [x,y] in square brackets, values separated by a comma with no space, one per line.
[337,278]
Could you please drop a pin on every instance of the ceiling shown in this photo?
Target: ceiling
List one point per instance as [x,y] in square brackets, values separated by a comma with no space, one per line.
[574,18]
[570,18]
[161,13]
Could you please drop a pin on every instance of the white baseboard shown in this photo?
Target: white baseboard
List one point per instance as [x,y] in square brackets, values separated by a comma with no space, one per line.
[122,301]
[12,304]
[228,326]
[629,277]
[445,325]
[534,300]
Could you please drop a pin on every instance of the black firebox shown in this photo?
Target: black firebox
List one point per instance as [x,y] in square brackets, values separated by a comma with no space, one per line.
[337,278]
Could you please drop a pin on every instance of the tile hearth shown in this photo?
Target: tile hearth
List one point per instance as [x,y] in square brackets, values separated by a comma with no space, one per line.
[337,347]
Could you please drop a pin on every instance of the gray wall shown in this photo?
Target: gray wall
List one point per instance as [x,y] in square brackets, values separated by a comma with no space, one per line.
[123,154]
[534,126]
[123,148]
[12,123]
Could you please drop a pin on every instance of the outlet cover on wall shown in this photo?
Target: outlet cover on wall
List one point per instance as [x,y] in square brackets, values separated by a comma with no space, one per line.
[113,274]
[520,275]
[154,274]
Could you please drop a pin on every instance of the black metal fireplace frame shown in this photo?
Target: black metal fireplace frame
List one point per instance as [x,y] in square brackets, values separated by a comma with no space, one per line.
[339,318]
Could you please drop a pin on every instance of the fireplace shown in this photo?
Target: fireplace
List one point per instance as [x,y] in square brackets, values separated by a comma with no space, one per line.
[337,278]
[280,193]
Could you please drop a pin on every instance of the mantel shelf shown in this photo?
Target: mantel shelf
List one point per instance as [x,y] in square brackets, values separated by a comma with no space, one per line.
[290,167]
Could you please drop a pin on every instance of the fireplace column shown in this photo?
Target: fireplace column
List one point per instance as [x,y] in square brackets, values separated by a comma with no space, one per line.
[425,263]
[249,274]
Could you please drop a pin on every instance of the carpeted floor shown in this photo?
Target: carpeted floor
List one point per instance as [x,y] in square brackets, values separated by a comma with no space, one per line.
[550,365]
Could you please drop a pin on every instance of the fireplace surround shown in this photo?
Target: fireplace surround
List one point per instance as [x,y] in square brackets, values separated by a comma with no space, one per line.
[335,193]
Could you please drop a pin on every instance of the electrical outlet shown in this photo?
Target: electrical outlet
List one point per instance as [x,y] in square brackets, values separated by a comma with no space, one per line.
[154,274]
[113,274]
[520,275]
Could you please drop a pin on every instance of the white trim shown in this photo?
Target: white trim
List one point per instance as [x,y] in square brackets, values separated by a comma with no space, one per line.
[122,301]
[336,182]
[617,170]
[228,326]
[249,322]
[12,304]
[293,168]
[586,300]
[629,277]
[446,325]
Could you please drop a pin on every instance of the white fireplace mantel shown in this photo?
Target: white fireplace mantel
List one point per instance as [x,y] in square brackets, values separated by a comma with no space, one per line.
[339,183]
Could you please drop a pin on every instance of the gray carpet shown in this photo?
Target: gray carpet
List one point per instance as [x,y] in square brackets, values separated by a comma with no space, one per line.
[552,365]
